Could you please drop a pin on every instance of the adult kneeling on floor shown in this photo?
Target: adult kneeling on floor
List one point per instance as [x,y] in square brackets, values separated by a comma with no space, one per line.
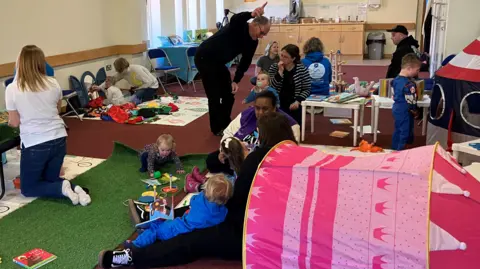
[33,102]
[223,241]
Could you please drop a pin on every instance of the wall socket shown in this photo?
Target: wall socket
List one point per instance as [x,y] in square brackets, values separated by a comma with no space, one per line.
[108,67]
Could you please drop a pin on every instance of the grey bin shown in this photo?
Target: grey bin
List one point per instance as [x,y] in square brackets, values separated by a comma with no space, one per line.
[376,45]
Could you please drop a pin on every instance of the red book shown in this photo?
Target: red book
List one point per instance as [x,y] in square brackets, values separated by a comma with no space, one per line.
[34,258]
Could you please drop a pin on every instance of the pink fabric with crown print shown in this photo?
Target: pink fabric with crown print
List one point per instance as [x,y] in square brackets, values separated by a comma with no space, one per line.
[309,209]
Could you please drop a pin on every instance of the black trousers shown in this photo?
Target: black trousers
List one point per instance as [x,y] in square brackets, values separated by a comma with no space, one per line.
[217,82]
[215,166]
[221,241]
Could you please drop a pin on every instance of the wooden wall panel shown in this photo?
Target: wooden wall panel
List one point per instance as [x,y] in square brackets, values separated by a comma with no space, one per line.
[386,26]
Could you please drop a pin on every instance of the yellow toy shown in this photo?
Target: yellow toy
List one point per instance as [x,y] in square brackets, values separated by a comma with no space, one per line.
[166,178]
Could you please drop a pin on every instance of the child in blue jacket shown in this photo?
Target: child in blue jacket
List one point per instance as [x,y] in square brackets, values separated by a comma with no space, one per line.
[207,209]
[318,66]
[263,84]
[404,107]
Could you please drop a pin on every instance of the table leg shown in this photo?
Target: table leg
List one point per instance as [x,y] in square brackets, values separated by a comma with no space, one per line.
[456,154]
[312,114]
[304,112]
[425,119]
[362,112]
[372,113]
[375,123]
[355,126]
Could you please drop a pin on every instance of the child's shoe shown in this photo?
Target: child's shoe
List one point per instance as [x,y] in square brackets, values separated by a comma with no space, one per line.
[198,176]
[113,259]
[191,185]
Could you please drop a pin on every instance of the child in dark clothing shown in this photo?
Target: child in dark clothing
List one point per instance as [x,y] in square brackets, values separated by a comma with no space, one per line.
[158,153]
[405,102]
[206,209]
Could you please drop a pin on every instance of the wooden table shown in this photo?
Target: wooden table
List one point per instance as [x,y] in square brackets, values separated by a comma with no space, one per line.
[358,111]
[387,103]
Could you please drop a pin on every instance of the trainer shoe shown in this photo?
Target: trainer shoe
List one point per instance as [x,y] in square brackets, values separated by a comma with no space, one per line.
[198,176]
[114,259]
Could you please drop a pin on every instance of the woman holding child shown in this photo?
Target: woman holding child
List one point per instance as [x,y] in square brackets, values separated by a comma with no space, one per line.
[33,102]
[291,80]
[223,241]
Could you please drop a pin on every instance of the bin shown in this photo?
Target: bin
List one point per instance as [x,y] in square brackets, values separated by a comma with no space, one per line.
[376,45]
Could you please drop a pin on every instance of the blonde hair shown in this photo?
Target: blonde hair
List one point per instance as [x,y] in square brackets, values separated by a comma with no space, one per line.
[31,69]
[218,189]
[411,60]
[121,64]
[269,47]
[313,45]
[166,139]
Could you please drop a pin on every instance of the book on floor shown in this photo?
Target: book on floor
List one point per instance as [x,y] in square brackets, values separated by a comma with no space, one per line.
[340,121]
[34,258]
[339,134]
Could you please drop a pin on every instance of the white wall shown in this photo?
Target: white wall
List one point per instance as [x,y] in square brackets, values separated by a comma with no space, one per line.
[57,27]
[463,25]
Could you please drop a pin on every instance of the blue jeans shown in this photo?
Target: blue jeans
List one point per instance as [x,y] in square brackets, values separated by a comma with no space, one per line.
[40,169]
[146,94]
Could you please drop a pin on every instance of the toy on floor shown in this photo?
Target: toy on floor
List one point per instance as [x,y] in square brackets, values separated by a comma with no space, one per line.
[364,146]
[167,177]
[157,209]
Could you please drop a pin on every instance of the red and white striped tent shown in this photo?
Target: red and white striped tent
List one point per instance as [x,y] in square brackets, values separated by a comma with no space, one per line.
[465,66]
[455,108]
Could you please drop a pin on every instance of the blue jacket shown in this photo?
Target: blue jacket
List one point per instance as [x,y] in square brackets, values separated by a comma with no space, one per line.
[251,96]
[202,214]
[320,70]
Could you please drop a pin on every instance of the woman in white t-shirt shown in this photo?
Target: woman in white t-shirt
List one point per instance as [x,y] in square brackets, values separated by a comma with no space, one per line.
[33,101]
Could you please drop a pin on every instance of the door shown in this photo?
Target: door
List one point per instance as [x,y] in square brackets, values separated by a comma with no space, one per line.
[351,43]
[307,32]
[331,41]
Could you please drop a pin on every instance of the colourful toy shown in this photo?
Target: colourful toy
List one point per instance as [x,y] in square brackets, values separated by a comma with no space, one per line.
[157,174]
[362,88]
[171,189]
[167,178]
[337,74]
[366,147]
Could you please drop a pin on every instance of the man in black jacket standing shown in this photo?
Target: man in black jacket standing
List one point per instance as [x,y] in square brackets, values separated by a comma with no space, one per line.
[405,44]
[238,37]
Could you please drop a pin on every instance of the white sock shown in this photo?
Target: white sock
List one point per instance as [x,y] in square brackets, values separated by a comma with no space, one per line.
[84,198]
[67,191]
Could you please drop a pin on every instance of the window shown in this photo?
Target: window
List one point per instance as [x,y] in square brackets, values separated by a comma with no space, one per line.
[192,14]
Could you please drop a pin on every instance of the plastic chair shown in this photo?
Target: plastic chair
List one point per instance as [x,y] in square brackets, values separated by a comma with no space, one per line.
[77,91]
[190,52]
[7,82]
[101,76]
[154,54]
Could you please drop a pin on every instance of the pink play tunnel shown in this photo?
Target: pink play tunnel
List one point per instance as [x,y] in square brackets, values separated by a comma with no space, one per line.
[411,209]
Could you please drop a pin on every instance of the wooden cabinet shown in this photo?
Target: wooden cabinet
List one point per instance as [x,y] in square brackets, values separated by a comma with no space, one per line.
[348,38]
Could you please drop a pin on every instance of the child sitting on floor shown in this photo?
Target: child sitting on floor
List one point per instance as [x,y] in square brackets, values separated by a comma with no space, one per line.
[233,151]
[114,96]
[207,209]
[263,84]
[404,107]
[158,153]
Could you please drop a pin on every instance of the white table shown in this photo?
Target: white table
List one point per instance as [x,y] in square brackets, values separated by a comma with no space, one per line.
[357,106]
[465,148]
[387,103]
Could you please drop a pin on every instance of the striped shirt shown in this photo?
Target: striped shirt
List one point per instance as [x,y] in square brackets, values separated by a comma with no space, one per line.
[301,80]
[155,158]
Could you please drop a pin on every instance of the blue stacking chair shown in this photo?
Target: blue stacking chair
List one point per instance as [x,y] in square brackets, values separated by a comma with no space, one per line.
[166,68]
[190,52]
[7,82]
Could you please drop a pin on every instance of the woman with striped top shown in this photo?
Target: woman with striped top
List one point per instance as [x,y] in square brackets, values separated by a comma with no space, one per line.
[291,80]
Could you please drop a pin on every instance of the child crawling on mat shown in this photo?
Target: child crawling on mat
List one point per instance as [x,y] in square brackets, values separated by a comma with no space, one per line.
[156,154]
[207,209]
[263,84]
[233,151]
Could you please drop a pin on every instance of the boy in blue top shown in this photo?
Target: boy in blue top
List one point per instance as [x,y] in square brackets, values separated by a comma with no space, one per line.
[405,101]
[263,84]
[207,209]
[318,66]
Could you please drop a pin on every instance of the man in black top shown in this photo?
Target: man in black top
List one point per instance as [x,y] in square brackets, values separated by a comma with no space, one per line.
[405,44]
[238,37]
